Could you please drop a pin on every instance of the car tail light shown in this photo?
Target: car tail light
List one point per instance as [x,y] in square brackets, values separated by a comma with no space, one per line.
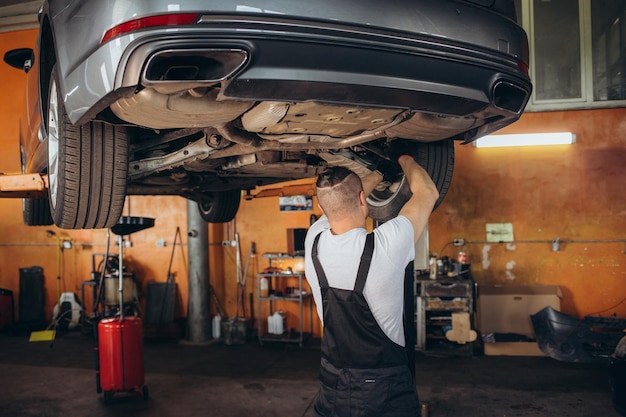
[523,66]
[148,22]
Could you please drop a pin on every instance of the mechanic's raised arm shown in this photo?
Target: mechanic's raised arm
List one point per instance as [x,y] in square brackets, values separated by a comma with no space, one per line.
[370,181]
[425,194]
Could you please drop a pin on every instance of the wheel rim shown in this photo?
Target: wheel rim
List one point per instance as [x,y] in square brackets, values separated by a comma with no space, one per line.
[53,144]
[205,206]
[380,196]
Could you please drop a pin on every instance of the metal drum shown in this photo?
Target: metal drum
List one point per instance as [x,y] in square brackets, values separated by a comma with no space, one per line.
[112,289]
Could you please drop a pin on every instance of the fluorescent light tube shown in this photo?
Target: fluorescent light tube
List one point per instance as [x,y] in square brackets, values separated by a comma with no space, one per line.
[526,139]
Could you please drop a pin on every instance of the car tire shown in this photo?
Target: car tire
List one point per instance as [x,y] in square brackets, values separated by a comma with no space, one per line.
[87,168]
[437,158]
[219,206]
[36,212]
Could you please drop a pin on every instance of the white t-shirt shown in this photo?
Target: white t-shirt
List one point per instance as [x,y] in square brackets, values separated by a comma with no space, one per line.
[340,256]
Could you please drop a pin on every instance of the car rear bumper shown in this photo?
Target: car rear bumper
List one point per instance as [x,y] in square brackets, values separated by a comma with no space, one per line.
[380,74]
[404,51]
[289,61]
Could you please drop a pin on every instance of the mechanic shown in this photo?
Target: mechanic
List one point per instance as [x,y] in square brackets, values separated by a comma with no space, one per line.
[365,367]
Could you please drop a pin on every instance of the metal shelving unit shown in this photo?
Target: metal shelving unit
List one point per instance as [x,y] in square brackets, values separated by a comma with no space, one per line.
[275,280]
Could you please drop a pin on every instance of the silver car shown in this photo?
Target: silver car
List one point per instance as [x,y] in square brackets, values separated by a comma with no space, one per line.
[209,99]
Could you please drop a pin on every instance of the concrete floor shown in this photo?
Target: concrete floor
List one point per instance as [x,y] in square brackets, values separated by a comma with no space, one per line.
[40,380]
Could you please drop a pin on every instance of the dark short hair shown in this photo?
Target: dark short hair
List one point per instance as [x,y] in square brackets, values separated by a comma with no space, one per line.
[338,191]
[332,176]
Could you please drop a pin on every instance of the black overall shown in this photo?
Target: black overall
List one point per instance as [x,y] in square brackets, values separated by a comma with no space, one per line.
[363,373]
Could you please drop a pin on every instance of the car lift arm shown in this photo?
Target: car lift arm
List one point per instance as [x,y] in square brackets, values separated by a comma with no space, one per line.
[35,186]
[23,185]
[284,191]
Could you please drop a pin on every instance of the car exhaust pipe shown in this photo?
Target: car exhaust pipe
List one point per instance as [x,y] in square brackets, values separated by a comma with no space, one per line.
[244,144]
[510,97]
[202,66]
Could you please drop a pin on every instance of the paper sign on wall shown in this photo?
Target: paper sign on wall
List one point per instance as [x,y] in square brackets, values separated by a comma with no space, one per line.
[296,203]
[499,232]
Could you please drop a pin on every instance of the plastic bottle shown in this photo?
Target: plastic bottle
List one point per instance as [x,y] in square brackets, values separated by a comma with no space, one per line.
[217,326]
[280,328]
[264,287]
[277,323]
[280,322]
[432,263]
[271,324]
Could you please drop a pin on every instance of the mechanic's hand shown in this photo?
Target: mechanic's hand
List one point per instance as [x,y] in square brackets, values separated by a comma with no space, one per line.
[397,148]
[389,169]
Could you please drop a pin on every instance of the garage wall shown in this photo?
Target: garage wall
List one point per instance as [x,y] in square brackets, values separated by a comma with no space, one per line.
[22,246]
[261,221]
[574,193]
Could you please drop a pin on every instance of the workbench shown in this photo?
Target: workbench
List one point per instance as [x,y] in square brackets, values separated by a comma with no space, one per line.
[436,302]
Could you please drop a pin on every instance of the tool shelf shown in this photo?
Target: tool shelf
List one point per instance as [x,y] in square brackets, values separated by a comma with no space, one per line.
[436,300]
[278,283]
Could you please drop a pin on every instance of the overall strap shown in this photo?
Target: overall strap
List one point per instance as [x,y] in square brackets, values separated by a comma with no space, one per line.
[321,275]
[410,330]
[364,266]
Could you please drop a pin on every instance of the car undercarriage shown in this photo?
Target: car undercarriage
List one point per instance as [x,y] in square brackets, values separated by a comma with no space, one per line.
[208,104]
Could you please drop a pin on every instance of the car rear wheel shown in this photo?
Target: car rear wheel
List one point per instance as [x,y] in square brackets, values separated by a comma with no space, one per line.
[36,212]
[87,168]
[220,206]
[437,158]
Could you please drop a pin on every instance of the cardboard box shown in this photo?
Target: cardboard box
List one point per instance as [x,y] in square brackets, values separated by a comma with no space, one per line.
[512,349]
[507,310]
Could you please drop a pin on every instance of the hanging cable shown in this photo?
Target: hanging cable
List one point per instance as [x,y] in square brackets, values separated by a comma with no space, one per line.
[177,235]
[169,281]
[103,271]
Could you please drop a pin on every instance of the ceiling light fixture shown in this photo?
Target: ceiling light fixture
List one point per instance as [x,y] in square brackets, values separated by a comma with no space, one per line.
[526,139]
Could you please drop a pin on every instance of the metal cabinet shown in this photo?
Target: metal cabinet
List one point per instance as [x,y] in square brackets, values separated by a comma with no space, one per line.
[284,288]
[436,301]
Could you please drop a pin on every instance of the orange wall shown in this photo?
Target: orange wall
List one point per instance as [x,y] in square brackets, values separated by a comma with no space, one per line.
[22,246]
[261,221]
[575,193]
[12,102]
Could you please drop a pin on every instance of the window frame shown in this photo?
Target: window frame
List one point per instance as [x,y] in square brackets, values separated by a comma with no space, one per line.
[586,101]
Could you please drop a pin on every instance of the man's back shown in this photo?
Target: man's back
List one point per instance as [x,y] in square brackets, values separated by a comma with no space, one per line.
[340,256]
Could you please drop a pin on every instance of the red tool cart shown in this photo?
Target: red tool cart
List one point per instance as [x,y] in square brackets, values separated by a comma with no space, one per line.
[119,337]
[121,356]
